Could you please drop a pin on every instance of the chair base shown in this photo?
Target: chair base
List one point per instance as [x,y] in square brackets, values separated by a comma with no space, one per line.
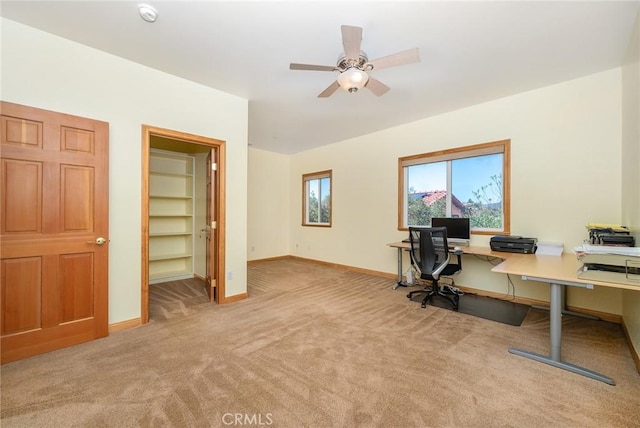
[437,291]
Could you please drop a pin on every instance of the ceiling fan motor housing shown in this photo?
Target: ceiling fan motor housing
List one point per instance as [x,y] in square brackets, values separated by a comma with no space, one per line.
[361,63]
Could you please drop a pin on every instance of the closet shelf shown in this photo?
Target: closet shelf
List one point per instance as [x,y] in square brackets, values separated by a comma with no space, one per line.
[171,207]
[177,197]
[170,174]
[161,234]
[169,257]
[171,215]
[169,274]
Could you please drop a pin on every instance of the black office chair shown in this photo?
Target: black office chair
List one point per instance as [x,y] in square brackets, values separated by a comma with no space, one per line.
[430,257]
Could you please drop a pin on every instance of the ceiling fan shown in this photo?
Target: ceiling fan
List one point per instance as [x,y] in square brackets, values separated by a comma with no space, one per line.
[354,65]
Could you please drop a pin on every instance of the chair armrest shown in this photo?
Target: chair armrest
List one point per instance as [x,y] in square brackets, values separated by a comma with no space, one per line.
[436,273]
[459,254]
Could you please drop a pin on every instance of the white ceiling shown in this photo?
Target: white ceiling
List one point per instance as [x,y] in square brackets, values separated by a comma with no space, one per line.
[471,52]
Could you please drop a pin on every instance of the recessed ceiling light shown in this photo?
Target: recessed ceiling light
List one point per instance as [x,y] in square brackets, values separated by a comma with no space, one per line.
[148,13]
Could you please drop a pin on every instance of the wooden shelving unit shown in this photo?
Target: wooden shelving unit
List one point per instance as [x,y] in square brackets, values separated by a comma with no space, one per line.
[171,181]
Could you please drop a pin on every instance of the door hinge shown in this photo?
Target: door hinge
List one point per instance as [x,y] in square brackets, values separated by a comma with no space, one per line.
[214,167]
[213,224]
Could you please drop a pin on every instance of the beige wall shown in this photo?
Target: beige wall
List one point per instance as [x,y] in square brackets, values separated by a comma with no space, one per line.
[630,170]
[565,173]
[565,144]
[49,72]
[268,205]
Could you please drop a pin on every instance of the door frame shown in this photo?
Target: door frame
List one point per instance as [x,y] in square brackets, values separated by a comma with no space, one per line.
[147,132]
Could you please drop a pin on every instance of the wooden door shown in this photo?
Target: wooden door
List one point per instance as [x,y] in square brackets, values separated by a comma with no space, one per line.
[54,231]
[212,225]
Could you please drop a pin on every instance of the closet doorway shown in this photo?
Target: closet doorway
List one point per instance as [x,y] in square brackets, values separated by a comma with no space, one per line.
[183,227]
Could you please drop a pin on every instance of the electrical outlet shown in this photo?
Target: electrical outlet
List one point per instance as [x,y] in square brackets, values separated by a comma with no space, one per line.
[230,275]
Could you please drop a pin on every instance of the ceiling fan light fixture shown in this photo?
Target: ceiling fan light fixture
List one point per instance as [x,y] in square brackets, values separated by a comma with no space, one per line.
[148,13]
[352,79]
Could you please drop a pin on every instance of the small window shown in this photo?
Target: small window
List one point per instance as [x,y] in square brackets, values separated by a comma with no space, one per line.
[316,196]
[471,182]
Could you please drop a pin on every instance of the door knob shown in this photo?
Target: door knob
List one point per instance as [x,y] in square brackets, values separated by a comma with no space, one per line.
[100,240]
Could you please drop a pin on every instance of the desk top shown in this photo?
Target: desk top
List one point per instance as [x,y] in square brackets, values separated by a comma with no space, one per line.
[560,268]
[468,249]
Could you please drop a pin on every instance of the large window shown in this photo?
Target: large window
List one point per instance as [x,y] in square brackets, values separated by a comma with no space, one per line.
[470,181]
[316,196]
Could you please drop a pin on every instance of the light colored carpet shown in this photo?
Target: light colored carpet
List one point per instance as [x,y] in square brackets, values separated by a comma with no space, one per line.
[176,298]
[314,346]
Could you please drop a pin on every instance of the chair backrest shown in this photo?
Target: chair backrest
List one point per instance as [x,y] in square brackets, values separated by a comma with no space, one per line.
[429,250]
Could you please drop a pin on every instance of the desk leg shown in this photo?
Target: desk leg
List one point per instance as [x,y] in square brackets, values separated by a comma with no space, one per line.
[556,342]
[399,283]
[565,311]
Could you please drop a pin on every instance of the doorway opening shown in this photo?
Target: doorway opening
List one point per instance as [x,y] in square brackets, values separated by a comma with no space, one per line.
[183,206]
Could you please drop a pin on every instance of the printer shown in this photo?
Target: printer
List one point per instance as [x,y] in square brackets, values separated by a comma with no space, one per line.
[617,239]
[610,234]
[514,244]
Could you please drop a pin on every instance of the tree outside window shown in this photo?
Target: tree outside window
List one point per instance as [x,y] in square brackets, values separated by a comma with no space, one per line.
[317,199]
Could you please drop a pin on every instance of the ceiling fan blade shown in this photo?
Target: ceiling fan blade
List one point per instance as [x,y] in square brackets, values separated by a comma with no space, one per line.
[401,58]
[351,40]
[330,90]
[294,66]
[376,86]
